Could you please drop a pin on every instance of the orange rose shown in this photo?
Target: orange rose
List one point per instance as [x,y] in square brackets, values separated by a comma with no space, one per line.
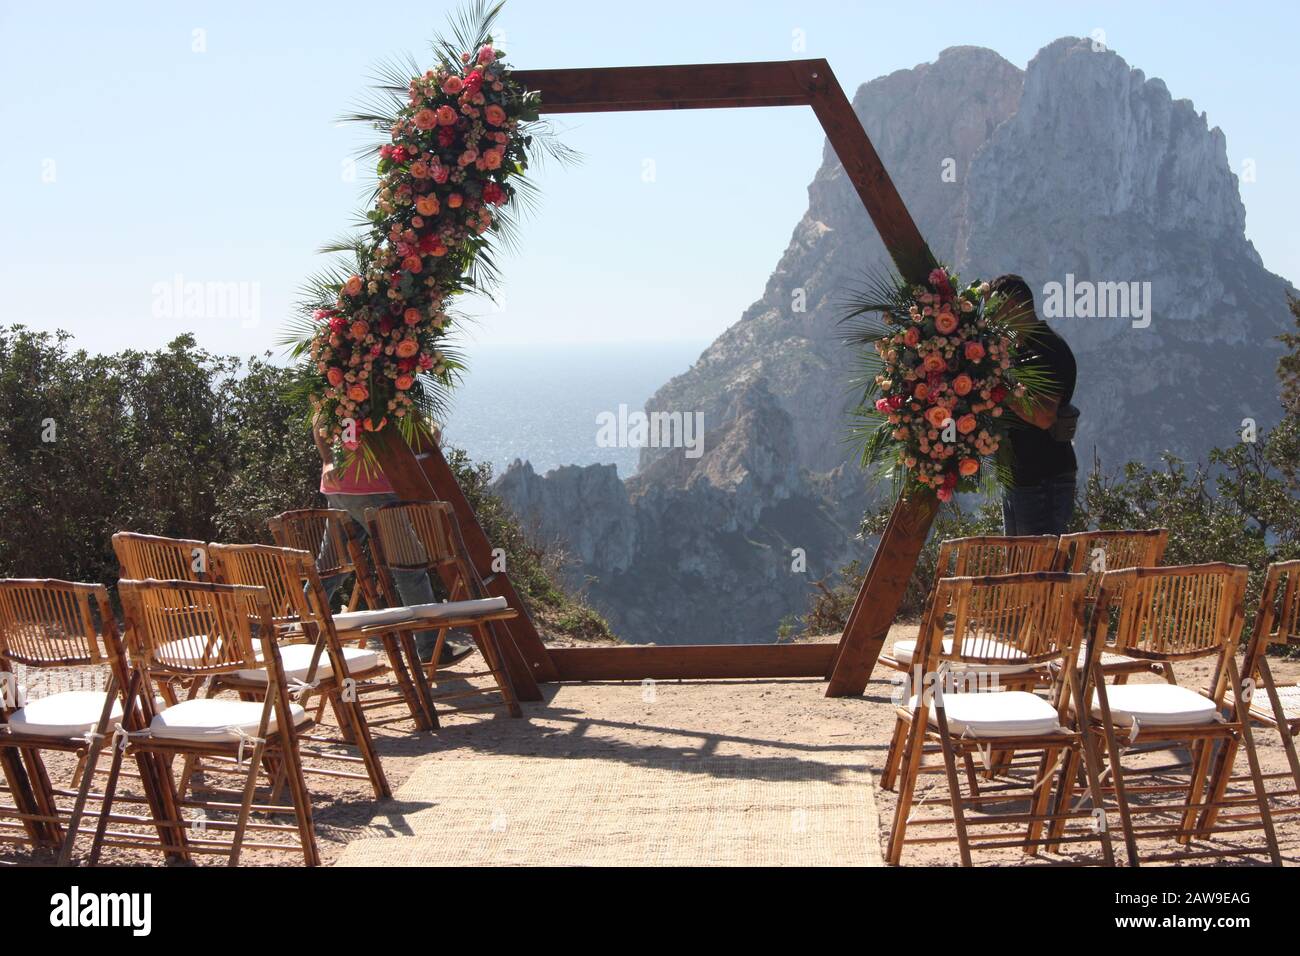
[426,119]
[922,391]
[934,363]
[966,424]
[962,384]
[358,393]
[937,416]
[407,347]
[412,264]
[911,336]
[454,200]
[427,205]
[411,316]
[968,466]
[335,376]
[494,115]
[403,382]
[359,329]
[945,323]
[352,286]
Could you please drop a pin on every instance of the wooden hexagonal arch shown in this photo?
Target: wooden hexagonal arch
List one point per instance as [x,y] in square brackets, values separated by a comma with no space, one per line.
[425,475]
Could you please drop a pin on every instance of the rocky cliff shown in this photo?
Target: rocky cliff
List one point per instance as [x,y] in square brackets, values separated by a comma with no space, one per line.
[1075,170]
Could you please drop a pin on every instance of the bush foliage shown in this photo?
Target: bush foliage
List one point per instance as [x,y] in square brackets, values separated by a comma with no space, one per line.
[183,443]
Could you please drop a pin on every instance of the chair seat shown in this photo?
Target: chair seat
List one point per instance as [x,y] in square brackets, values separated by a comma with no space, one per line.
[905,652]
[1012,713]
[447,610]
[1155,705]
[215,720]
[67,714]
[296,661]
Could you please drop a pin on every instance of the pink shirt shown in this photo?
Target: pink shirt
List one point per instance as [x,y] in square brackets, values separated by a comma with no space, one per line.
[355,479]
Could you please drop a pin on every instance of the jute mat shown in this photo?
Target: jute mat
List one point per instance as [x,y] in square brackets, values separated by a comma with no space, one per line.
[534,810]
[625,774]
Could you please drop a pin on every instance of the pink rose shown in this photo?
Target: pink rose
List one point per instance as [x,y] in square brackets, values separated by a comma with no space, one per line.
[495,115]
[446,116]
[452,85]
[974,351]
[486,54]
[426,119]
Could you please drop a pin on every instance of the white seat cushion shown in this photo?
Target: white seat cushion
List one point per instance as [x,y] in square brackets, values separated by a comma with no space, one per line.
[905,651]
[296,660]
[67,714]
[1155,705]
[214,719]
[356,620]
[1012,713]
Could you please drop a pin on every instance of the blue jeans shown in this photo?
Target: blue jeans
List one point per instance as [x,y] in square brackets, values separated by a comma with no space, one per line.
[1039,509]
[413,585]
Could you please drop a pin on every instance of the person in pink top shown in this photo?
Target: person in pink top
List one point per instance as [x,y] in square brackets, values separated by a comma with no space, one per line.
[355,488]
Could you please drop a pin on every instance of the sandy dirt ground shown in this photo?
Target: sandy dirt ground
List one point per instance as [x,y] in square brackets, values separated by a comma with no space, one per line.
[754,726]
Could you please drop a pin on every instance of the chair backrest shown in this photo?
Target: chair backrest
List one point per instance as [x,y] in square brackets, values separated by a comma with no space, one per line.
[1095,552]
[146,556]
[195,628]
[50,623]
[288,575]
[1278,619]
[996,554]
[1026,619]
[413,534]
[1173,613]
[322,532]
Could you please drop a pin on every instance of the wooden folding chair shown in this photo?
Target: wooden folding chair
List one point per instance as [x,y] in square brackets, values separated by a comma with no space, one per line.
[1277,622]
[424,536]
[1036,615]
[324,532]
[145,556]
[48,624]
[313,659]
[195,630]
[1094,553]
[978,557]
[1164,615]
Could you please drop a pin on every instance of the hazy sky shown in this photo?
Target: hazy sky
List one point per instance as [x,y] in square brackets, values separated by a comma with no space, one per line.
[146,143]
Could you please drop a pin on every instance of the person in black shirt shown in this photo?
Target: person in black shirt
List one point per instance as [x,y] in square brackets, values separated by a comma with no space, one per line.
[1043,467]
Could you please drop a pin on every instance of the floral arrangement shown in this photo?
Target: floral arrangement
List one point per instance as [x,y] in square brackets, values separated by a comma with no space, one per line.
[939,374]
[372,339]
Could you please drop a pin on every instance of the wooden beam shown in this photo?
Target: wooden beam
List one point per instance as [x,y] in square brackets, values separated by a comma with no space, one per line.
[693,661]
[684,87]
[882,591]
[864,169]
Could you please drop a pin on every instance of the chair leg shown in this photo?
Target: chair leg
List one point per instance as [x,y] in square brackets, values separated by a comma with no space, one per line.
[1197,785]
[906,789]
[1167,670]
[406,684]
[1284,726]
[954,791]
[87,762]
[246,804]
[490,648]
[1041,801]
[106,806]
[889,775]
[20,787]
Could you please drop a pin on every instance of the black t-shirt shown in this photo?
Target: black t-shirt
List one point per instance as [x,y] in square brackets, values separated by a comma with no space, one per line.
[1036,456]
